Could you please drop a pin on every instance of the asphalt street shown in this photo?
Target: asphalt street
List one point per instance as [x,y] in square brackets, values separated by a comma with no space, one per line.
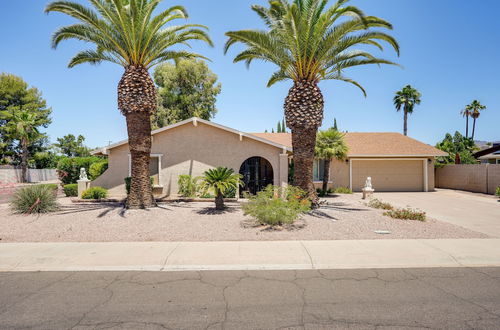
[444,298]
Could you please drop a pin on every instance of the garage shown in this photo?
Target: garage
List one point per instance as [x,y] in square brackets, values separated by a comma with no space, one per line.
[389,174]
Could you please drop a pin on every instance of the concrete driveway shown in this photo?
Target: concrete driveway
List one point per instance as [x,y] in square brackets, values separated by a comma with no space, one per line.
[474,211]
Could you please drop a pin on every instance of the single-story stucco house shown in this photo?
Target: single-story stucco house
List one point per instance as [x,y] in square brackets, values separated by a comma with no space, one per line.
[490,155]
[395,162]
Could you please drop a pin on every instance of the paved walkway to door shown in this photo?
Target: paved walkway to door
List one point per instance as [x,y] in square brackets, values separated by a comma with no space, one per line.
[474,211]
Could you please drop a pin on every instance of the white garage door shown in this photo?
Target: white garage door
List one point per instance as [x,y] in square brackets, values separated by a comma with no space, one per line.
[388,175]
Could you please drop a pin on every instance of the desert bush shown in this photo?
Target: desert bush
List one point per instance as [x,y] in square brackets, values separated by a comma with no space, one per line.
[68,169]
[34,199]
[322,193]
[128,180]
[51,186]
[95,193]
[96,169]
[378,204]
[188,186]
[498,192]
[342,190]
[406,214]
[71,190]
[275,207]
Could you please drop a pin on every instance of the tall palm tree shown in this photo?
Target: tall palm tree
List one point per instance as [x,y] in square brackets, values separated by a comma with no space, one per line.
[220,180]
[330,145]
[126,32]
[466,113]
[23,126]
[407,98]
[475,109]
[310,41]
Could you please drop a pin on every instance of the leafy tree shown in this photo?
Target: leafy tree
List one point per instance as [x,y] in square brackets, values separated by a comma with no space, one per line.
[407,98]
[220,179]
[23,112]
[475,109]
[335,124]
[185,89]
[128,33]
[456,145]
[330,145]
[278,127]
[72,146]
[310,41]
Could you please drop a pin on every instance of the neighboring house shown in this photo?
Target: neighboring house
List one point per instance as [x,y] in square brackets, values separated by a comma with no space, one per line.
[489,155]
[395,162]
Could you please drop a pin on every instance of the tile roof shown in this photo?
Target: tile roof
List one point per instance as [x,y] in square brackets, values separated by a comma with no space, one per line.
[371,144]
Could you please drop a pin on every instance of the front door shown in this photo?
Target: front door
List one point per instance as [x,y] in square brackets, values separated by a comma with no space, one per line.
[257,174]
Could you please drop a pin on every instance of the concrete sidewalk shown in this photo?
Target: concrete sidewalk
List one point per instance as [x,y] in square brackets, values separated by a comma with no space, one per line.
[276,255]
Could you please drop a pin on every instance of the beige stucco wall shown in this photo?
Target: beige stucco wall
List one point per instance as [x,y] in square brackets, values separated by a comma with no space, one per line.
[483,178]
[190,149]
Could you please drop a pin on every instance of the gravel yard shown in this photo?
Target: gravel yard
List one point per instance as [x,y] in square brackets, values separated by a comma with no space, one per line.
[343,217]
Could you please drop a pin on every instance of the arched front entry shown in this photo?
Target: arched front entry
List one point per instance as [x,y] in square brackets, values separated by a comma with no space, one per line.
[257,174]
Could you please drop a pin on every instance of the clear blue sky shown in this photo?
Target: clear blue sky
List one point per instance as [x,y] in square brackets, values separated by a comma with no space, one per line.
[449,49]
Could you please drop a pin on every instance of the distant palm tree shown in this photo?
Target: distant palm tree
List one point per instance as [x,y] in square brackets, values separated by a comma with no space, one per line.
[475,109]
[127,33]
[466,113]
[330,145]
[310,41]
[220,180]
[407,98]
[23,126]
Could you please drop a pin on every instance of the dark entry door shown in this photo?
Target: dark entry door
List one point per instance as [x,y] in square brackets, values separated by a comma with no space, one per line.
[257,174]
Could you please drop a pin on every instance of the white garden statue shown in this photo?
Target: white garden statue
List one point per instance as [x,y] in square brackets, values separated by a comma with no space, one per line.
[368,189]
[83,174]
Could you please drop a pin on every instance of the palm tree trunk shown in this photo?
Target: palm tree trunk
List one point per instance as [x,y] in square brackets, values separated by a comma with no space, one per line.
[303,143]
[466,126]
[24,160]
[405,126]
[219,201]
[326,176]
[473,128]
[139,134]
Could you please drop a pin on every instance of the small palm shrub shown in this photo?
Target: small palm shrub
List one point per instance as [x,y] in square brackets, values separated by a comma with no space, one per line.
[71,190]
[498,192]
[95,193]
[220,180]
[378,204]
[188,186]
[34,199]
[128,180]
[96,169]
[275,206]
[406,214]
[342,190]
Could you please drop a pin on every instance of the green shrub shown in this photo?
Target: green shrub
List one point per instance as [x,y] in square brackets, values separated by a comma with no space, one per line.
[95,193]
[322,193]
[498,192]
[34,199]
[128,180]
[96,169]
[269,208]
[342,190]
[188,186]
[68,169]
[378,204]
[51,186]
[406,214]
[71,190]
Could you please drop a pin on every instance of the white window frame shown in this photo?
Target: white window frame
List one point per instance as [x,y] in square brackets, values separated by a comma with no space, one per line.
[424,164]
[158,156]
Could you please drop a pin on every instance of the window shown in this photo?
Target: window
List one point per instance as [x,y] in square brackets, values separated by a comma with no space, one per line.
[318,170]
[498,161]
